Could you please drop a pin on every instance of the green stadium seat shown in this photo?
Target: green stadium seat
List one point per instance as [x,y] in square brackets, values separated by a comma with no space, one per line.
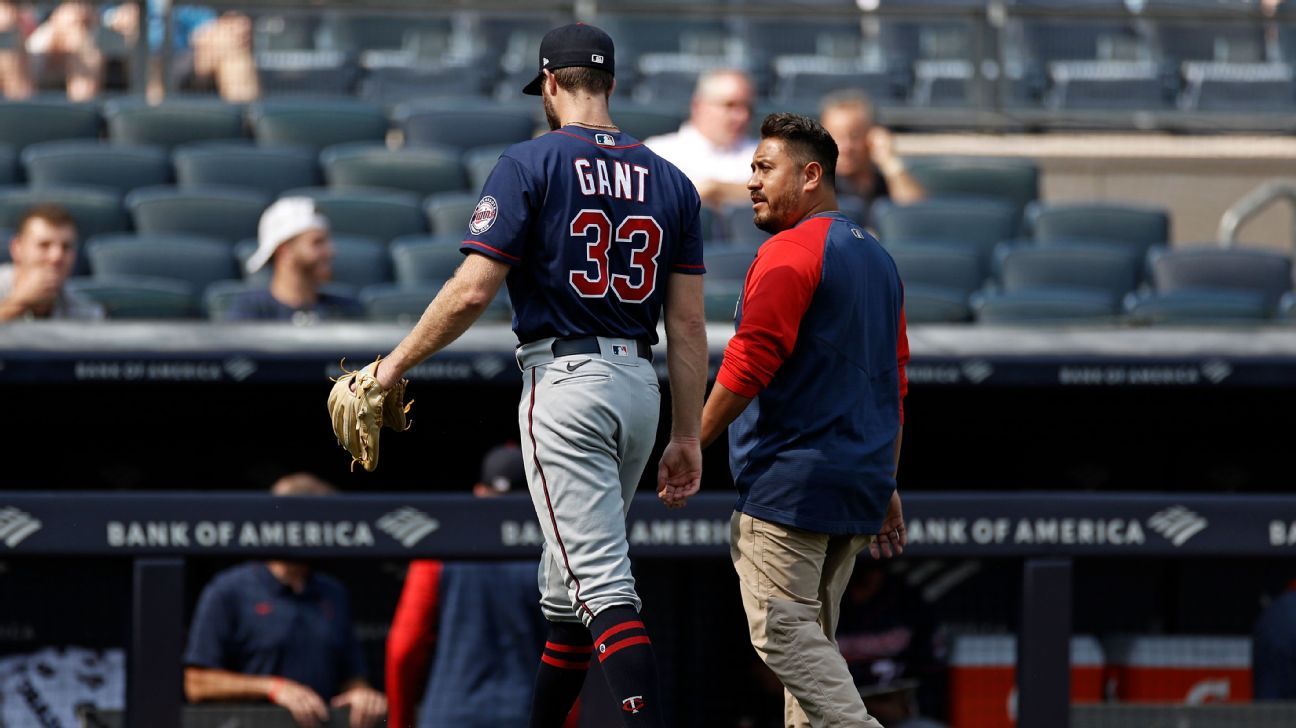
[420,260]
[976,226]
[448,212]
[1210,284]
[424,171]
[479,163]
[317,124]
[463,128]
[1197,308]
[134,121]
[90,163]
[729,264]
[1007,179]
[10,172]
[266,170]
[1069,268]
[130,297]
[28,122]
[1044,307]
[377,213]
[1138,228]
[938,281]
[225,213]
[720,300]
[194,260]
[95,210]
[405,304]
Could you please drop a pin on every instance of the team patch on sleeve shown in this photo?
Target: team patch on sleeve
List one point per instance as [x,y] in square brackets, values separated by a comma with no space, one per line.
[484,215]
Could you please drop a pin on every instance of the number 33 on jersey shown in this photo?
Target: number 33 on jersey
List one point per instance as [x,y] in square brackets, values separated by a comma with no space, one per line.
[593,224]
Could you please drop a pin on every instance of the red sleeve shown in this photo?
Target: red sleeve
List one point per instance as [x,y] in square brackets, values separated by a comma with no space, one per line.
[902,358]
[779,287]
[410,642]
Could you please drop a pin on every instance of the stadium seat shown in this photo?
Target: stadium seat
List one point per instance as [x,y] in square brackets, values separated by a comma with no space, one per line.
[194,260]
[224,213]
[423,171]
[1038,271]
[1198,308]
[381,214]
[421,260]
[139,298]
[1043,307]
[1239,87]
[729,265]
[938,281]
[95,210]
[399,84]
[668,88]
[721,300]
[943,83]
[219,297]
[270,171]
[1227,42]
[317,124]
[974,225]
[390,302]
[736,225]
[360,261]
[1108,85]
[134,121]
[28,122]
[448,212]
[1188,271]
[461,128]
[642,122]
[10,173]
[808,79]
[1012,180]
[1138,227]
[1286,308]
[96,164]
[306,73]
[479,163]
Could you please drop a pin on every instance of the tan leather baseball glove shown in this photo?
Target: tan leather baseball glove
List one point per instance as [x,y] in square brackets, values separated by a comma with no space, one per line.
[360,409]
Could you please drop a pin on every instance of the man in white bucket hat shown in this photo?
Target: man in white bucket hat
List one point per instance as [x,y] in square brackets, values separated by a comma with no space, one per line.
[293,237]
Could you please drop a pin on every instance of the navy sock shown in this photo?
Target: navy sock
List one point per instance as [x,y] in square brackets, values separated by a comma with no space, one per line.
[626,657]
[561,675]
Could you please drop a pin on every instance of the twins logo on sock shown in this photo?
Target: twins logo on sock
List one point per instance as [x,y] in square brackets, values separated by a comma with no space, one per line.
[633,704]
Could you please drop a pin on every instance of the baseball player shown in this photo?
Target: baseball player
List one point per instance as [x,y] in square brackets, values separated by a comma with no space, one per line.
[813,381]
[594,235]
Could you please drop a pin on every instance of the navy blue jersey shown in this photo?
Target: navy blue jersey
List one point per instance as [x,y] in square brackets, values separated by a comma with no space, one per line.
[592,223]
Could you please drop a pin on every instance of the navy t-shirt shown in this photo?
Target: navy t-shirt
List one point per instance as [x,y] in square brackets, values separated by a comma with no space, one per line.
[262,306]
[592,223]
[249,622]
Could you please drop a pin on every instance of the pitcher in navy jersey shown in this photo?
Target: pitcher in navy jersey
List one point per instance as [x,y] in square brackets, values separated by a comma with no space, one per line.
[813,381]
[595,235]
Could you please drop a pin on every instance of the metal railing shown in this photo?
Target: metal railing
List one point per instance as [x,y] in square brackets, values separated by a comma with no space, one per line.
[1252,204]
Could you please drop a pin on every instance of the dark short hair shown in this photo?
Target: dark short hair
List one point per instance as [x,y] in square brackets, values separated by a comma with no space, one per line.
[55,215]
[582,78]
[805,139]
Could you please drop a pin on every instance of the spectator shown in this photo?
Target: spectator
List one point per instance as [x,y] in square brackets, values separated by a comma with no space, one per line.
[466,635]
[282,632]
[1273,649]
[214,50]
[65,51]
[16,23]
[868,168]
[294,237]
[44,251]
[713,148]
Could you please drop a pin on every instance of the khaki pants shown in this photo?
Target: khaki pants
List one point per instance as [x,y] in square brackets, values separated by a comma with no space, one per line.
[792,583]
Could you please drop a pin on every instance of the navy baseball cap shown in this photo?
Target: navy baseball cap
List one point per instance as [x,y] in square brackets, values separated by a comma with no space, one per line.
[577,44]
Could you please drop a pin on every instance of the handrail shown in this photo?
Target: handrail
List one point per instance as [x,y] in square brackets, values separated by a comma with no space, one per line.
[1252,204]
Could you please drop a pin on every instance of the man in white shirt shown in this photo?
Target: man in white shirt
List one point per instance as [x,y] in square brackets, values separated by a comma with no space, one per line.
[713,148]
[44,251]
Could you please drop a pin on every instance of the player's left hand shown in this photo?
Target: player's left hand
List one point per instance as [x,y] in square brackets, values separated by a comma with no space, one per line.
[892,539]
[368,706]
[679,475]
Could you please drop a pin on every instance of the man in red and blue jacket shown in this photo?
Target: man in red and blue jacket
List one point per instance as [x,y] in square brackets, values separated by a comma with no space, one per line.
[813,382]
